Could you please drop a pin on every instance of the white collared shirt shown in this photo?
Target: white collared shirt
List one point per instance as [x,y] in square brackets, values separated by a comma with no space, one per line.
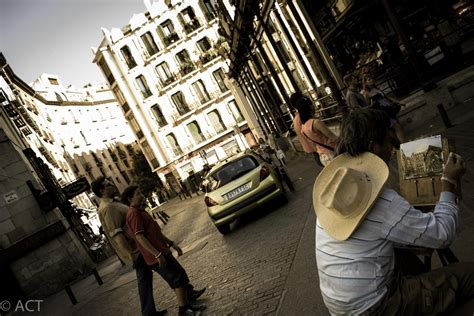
[354,273]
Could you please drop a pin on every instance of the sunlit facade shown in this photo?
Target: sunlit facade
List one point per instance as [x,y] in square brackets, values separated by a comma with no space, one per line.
[166,72]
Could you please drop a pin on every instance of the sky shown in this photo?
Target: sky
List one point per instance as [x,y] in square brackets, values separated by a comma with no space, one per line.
[56,36]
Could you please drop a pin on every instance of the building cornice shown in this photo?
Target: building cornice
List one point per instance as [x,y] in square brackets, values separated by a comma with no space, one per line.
[32,92]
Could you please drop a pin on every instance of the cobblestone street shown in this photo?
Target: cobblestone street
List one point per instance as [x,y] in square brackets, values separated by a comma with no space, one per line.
[245,272]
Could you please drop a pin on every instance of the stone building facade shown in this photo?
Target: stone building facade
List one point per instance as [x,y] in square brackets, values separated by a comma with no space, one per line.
[39,252]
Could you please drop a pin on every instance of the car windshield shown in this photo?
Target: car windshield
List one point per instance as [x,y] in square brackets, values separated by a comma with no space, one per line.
[231,171]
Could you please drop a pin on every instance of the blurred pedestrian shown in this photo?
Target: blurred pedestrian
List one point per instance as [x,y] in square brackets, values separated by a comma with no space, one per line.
[354,98]
[378,100]
[314,135]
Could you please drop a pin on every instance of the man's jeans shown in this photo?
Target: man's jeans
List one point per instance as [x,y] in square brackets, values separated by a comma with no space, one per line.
[145,287]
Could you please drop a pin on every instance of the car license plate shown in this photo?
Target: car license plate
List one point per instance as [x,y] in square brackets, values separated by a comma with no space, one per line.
[236,192]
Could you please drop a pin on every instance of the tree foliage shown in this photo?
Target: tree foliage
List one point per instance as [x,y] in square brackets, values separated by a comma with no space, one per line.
[147,180]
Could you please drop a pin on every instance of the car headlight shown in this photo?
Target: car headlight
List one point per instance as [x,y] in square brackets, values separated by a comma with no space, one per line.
[264,172]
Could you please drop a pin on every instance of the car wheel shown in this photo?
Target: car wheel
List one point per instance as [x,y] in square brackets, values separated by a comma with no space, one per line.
[282,199]
[288,182]
[223,229]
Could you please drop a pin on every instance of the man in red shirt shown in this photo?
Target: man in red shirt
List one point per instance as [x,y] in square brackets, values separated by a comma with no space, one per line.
[155,249]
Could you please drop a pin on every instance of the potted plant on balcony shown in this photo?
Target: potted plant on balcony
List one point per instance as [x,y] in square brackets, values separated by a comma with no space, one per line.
[186,67]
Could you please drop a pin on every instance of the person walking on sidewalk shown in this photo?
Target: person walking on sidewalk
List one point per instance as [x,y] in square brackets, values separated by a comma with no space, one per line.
[353,97]
[359,224]
[316,136]
[378,100]
[155,248]
[112,215]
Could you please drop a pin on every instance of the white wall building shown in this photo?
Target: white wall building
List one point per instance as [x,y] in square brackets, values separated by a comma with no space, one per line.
[166,73]
[77,132]
[94,135]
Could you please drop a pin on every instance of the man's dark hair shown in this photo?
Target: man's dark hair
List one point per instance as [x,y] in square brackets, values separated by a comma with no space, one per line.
[360,128]
[128,193]
[97,185]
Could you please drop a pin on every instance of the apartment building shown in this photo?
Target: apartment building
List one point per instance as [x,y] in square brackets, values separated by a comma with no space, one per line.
[166,72]
[94,137]
[76,132]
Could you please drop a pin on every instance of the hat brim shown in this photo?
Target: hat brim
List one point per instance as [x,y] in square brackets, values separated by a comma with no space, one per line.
[335,226]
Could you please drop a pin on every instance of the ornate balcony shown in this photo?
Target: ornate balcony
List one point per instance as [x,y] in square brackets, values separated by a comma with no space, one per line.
[192,25]
[208,56]
[186,68]
[168,81]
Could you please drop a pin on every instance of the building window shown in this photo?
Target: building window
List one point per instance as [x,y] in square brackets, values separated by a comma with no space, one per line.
[106,70]
[85,138]
[204,45]
[219,77]
[195,131]
[271,26]
[160,119]
[99,114]
[149,43]
[53,81]
[261,64]
[189,20]
[180,103]
[184,62]
[235,111]
[130,150]
[207,53]
[125,176]
[200,91]
[143,86]
[125,162]
[216,121]
[121,99]
[135,127]
[231,148]
[174,144]
[168,32]
[209,9]
[149,155]
[283,51]
[127,55]
[164,74]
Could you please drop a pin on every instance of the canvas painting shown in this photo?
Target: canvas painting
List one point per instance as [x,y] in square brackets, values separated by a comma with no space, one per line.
[422,158]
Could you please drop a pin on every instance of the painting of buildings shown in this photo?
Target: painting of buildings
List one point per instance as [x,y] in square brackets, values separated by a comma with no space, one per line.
[422,158]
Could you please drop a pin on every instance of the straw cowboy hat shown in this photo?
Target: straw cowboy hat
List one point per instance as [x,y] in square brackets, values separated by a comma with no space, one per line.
[345,190]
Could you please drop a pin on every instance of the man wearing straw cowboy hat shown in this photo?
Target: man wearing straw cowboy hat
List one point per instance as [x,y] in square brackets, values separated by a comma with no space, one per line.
[359,223]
